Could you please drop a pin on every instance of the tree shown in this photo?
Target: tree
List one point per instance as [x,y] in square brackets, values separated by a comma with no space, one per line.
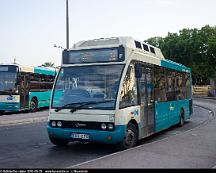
[48,64]
[155,41]
[193,48]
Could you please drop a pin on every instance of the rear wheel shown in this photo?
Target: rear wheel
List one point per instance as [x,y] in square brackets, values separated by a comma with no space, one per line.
[130,139]
[1,112]
[58,142]
[181,121]
[33,105]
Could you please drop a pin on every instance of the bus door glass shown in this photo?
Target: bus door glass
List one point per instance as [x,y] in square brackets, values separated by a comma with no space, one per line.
[146,88]
[24,91]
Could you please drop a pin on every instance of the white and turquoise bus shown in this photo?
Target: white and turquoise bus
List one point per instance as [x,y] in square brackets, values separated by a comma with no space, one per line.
[25,88]
[117,91]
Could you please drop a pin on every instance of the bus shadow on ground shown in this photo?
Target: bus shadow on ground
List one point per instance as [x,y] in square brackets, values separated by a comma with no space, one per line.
[83,148]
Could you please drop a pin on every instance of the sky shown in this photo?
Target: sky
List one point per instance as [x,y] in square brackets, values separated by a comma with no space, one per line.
[30,28]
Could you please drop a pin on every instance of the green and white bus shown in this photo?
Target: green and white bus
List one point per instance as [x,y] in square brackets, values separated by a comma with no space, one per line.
[117,91]
[25,88]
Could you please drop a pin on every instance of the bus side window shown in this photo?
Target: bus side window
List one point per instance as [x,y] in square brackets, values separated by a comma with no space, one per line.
[180,86]
[170,92]
[160,84]
[128,95]
[18,81]
[187,85]
[34,82]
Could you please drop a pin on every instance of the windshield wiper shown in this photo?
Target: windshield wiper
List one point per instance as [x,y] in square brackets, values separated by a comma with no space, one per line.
[60,108]
[82,104]
[89,103]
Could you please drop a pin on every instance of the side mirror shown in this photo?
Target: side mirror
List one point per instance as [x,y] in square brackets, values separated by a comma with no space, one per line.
[10,92]
[138,70]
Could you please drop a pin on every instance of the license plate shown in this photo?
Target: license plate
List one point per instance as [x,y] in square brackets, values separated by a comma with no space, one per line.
[79,136]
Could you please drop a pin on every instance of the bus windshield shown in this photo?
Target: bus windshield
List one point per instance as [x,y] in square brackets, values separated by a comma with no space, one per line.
[87,84]
[8,77]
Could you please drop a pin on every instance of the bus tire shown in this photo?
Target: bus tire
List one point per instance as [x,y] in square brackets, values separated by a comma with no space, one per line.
[130,139]
[181,118]
[58,142]
[33,105]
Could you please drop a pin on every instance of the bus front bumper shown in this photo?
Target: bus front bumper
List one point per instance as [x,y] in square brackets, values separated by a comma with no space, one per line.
[12,106]
[108,137]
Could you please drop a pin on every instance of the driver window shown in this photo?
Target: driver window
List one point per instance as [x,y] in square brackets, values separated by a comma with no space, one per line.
[128,95]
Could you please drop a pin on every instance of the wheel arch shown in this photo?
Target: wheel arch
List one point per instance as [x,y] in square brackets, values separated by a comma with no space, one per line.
[134,122]
[35,98]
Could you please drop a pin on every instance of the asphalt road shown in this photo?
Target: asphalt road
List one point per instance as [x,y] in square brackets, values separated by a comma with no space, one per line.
[192,148]
[28,146]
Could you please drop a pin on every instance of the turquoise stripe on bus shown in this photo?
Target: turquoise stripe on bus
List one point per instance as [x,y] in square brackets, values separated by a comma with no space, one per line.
[9,106]
[46,71]
[95,135]
[167,113]
[173,65]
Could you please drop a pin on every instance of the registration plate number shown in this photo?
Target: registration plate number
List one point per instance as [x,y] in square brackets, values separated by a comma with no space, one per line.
[79,136]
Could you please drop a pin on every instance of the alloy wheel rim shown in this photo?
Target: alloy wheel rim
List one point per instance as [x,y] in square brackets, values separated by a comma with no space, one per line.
[129,141]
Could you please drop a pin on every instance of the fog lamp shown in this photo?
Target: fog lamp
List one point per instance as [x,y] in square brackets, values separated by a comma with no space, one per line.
[103,126]
[110,126]
[53,123]
[59,124]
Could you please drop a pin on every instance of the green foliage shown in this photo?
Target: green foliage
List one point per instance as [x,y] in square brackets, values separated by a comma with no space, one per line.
[48,64]
[195,48]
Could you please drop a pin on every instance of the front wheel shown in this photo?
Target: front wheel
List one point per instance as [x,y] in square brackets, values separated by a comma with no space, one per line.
[130,139]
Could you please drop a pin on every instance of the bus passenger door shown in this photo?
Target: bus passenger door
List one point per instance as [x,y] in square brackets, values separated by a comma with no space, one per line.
[24,91]
[147,100]
[150,98]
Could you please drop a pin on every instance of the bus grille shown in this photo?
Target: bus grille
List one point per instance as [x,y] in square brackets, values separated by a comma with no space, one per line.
[83,125]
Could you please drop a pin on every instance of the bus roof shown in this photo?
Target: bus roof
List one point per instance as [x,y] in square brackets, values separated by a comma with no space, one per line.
[38,70]
[45,70]
[128,42]
[132,43]
[174,65]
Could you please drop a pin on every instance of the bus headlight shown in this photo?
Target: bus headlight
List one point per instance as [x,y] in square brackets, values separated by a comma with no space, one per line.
[103,126]
[53,123]
[110,126]
[59,123]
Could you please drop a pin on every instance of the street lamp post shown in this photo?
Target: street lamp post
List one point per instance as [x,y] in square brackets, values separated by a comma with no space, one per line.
[67,26]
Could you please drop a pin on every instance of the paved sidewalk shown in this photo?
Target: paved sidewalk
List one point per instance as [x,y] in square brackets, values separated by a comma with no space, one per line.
[195,148]
[23,118]
[204,97]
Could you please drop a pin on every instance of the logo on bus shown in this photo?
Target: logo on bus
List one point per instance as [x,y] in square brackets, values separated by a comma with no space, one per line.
[10,98]
[80,125]
[135,112]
